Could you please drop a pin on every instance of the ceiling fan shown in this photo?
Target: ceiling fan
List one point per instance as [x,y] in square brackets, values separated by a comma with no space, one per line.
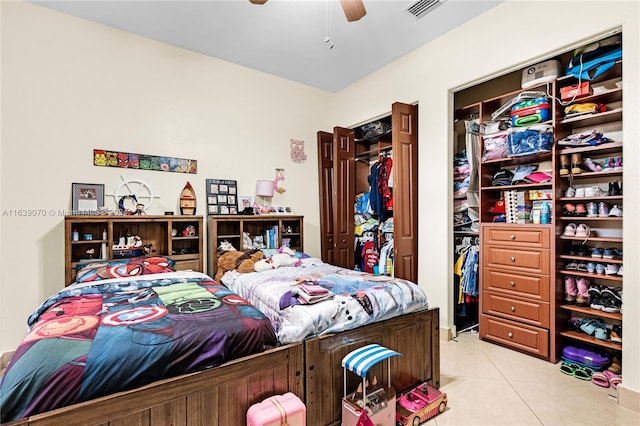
[353,9]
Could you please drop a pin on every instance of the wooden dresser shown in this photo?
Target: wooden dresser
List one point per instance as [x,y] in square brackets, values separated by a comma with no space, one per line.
[515,278]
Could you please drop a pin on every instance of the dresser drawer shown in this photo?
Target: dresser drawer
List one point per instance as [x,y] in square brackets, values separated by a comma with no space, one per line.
[518,336]
[528,311]
[516,236]
[187,265]
[533,261]
[528,286]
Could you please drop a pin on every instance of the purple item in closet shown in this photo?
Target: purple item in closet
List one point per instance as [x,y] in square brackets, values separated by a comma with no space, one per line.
[585,356]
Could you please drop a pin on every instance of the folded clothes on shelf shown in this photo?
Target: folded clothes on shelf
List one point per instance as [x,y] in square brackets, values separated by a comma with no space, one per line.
[591,137]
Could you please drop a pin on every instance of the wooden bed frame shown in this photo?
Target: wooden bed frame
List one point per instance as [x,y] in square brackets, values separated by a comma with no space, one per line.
[311,369]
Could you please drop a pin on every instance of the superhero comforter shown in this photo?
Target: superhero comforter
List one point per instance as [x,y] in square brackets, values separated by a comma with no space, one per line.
[355,298]
[97,338]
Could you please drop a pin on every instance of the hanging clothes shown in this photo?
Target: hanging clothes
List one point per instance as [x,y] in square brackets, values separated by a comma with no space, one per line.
[466,267]
[380,195]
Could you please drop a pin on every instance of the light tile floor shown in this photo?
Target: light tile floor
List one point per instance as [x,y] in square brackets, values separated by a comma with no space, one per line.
[487,384]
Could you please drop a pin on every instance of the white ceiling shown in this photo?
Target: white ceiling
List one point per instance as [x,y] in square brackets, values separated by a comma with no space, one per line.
[283,37]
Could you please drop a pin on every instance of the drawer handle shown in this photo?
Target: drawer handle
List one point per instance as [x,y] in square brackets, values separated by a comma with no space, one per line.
[512,283]
[513,309]
[512,237]
[513,259]
[510,334]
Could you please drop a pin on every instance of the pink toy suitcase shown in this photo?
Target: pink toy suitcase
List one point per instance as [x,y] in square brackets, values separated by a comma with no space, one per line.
[278,410]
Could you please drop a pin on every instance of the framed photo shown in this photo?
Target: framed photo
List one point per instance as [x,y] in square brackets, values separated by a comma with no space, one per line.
[221,197]
[244,201]
[86,198]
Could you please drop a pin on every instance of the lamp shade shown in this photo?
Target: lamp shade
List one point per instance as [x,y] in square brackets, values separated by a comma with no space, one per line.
[264,188]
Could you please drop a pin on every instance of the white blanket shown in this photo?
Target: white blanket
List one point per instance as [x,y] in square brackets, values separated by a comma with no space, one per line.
[359,298]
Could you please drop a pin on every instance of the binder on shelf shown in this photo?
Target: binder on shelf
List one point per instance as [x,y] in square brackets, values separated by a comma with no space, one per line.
[511,206]
[523,207]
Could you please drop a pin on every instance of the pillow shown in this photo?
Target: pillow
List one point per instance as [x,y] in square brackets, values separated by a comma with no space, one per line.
[95,271]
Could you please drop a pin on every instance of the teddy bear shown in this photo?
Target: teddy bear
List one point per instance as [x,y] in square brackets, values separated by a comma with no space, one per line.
[284,257]
[242,261]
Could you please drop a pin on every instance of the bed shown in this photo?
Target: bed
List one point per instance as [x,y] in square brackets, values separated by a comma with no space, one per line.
[103,335]
[222,394]
[361,309]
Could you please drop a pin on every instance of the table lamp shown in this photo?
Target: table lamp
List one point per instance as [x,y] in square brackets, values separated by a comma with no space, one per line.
[264,189]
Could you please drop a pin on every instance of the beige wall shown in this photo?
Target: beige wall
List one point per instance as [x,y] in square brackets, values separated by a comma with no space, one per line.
[70,86]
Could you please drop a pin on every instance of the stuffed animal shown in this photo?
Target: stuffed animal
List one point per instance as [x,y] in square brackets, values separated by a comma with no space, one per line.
[242,261]
[284,257]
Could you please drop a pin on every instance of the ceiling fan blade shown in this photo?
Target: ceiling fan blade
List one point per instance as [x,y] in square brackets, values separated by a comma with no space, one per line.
[353,9]
[258,1]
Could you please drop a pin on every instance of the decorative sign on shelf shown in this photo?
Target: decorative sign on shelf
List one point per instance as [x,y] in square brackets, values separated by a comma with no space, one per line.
[222,197]
[128,160]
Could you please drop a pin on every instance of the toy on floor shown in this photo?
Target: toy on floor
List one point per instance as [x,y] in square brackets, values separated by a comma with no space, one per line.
[419,404]
[368,405]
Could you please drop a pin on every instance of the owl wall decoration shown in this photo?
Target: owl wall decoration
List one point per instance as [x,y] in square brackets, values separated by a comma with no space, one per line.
[297,151]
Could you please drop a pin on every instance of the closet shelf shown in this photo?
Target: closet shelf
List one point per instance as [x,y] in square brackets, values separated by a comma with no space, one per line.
[590,274]
[593,312]
[595,119]
[589,339]
[519,186]
[586,218]
[585,175]
[586,199]
[605,239]
[521,159]
[590,259]
[569,79]
[605,148]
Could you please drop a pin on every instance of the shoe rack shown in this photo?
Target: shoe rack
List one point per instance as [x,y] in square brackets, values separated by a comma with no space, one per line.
[589,191]
[525,264]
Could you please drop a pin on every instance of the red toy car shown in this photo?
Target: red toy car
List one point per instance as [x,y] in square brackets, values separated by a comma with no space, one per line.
[419,404]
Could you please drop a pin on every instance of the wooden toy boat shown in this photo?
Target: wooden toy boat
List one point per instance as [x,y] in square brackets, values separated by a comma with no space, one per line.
[188,200]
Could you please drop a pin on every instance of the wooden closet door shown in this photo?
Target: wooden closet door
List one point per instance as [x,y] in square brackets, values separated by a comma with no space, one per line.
[325,181]
[343,196]
[404,122]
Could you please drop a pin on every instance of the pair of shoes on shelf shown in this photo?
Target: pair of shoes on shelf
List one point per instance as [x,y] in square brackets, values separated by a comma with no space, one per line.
[605,298]
[579,250]
[612,164]
[576,290]
[572,230]
[603,209]
[615,188]
[594,191]
[611,253]
[616,211]
[616,336]
[573,165]
[592,165]
[594,327]
[570,209]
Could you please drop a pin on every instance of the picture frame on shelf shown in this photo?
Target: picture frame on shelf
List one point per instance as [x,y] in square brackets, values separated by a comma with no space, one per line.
[87,198]
[221,196]
[244,201]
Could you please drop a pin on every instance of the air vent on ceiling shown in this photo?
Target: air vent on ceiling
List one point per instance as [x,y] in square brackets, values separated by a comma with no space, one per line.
[419,8]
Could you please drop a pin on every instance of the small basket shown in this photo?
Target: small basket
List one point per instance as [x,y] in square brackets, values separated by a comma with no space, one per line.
[374,130]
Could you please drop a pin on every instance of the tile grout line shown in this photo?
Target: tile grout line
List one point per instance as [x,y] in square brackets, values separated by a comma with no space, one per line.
[511,386]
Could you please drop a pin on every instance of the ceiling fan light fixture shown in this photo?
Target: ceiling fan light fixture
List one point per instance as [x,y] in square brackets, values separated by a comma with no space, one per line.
[353,9]
[420,8]
[258,1]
